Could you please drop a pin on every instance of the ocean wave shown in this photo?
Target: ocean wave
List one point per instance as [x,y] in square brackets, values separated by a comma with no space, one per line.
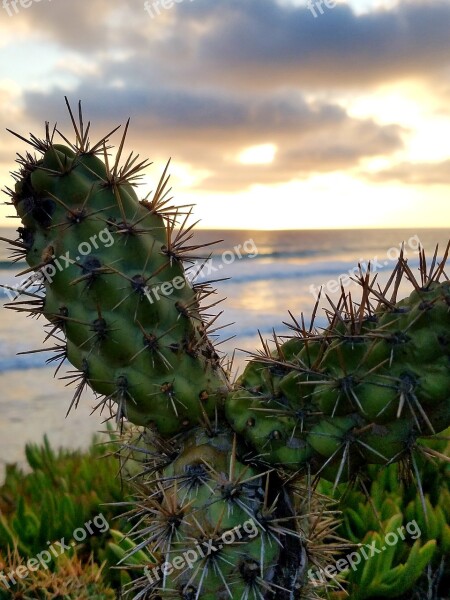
[243,272]
[8,265]
[23,362]
[318,271]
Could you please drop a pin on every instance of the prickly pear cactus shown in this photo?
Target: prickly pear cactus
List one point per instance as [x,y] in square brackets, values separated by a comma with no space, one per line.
[221,471]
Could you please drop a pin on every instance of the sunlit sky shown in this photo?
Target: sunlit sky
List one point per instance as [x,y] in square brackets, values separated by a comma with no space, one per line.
[275,116]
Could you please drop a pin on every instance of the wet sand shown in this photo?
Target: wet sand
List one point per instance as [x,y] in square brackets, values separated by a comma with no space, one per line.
[36,403]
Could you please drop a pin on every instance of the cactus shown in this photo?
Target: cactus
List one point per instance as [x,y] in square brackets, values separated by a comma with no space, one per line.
[361,392]
[220,523]
[213,455]
[140,355]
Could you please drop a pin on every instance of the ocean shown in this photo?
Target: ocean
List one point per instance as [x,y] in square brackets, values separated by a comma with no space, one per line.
[262,275]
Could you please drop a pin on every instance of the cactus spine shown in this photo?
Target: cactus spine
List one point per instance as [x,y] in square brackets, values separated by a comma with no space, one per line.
[215,455]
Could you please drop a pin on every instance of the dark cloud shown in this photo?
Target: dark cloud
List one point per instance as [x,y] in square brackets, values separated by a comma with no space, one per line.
[281,44]
[252,44]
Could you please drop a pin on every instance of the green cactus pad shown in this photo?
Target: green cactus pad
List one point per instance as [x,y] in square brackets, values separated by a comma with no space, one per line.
[115,288]
[379,379]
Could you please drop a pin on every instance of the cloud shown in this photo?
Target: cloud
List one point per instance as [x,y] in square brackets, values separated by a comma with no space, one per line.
[209,131]
[207,79]
[416,173]
[253,44]
[256,44]
[280,44]
[73,25]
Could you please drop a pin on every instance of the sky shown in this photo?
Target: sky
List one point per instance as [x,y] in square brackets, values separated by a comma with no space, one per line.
[274,115]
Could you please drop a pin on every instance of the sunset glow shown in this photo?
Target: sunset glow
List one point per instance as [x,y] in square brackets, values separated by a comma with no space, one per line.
[273,118]
[258,155]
